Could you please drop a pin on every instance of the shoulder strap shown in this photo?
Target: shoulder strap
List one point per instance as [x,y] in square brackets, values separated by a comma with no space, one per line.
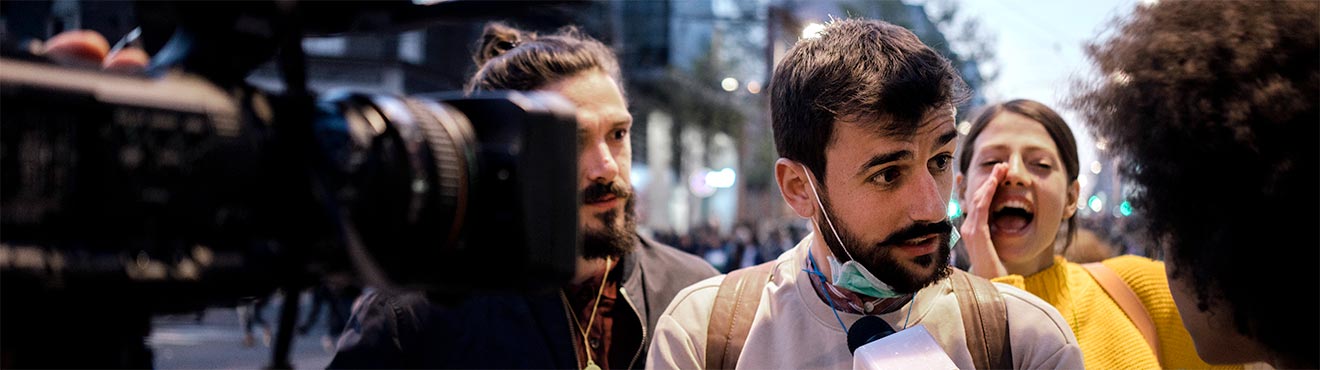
[985,321]
[1128,301]
[731,317]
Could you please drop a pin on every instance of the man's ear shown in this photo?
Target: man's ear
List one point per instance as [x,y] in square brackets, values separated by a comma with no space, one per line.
[795,188]
[1070,207]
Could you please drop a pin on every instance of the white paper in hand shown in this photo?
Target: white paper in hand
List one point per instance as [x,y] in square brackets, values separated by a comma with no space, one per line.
[913,348]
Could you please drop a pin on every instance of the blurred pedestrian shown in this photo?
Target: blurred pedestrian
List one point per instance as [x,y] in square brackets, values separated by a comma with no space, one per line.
[746,249]
[250,313]
[337,293]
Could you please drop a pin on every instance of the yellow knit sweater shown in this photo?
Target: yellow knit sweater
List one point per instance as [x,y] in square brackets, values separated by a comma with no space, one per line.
[1108,338]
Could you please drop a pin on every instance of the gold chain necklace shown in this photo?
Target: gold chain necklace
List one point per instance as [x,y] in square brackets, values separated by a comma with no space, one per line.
[591,365]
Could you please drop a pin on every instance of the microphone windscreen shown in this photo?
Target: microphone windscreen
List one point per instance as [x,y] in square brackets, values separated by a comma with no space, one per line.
[866,330]
[912,348]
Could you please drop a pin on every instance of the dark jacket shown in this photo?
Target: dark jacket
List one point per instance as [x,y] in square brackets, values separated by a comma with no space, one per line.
[506,330]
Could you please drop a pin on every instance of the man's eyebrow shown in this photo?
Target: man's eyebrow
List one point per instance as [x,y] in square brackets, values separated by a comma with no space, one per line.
[946,138]
[880,159]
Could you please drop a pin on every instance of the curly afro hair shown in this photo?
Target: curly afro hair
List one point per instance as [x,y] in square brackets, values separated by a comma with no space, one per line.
[1212,105]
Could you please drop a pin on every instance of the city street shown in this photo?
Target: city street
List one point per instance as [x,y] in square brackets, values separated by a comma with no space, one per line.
[216,342]
[562,184]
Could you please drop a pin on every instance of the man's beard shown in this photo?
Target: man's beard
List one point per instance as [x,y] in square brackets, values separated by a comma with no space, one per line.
[613,239]
[878,258]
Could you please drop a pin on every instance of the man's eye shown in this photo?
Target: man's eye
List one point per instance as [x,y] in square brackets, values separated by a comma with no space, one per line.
[887,176]
[941,163]
[1044,165]
[620,134]
[990,163]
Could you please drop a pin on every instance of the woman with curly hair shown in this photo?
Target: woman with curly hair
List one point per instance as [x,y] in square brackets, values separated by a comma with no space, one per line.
[1212,108]
[1017,179]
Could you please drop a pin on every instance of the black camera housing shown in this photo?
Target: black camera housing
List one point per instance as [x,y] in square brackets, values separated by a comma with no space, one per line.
[123,196]
[112,181]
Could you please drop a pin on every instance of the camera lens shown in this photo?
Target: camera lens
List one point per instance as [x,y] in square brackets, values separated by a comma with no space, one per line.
[431,184]
[404,169]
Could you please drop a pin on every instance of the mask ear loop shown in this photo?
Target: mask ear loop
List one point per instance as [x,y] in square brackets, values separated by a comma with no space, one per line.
[816,270]
[827,214]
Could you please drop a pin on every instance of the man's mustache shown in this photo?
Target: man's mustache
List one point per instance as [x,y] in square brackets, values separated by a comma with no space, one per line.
[597,192]
[915,231]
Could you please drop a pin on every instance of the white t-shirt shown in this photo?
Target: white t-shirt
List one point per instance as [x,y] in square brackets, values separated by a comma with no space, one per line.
[795,329]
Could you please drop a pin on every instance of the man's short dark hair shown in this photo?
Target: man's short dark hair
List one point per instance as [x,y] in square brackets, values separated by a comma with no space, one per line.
[856,70]
[1212,108]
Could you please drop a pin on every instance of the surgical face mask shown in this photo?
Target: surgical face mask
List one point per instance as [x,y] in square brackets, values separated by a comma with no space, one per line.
[852,275]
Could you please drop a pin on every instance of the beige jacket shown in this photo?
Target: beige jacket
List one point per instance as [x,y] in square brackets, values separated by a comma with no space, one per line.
[795,329]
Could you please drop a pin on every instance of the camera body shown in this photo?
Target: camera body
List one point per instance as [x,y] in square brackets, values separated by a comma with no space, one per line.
[140,195]
[171,181]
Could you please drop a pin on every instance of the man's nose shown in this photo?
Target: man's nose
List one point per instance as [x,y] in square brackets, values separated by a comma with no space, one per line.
[928,205]
[598,163]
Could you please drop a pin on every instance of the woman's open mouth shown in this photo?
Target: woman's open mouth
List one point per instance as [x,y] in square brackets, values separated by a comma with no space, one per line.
[1011,218]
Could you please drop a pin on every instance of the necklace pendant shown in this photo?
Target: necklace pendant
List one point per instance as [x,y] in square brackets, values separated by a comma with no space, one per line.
[591,365]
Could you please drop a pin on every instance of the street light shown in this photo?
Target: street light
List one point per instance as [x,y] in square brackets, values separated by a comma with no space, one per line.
[729,84]
[722,179]
[1096,203]
[754,87]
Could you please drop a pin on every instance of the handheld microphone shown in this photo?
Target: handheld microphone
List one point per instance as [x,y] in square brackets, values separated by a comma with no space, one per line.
[866,330]
[912,348]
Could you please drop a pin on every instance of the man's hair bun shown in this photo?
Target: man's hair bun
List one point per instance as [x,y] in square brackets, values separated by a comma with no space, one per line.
[498,38]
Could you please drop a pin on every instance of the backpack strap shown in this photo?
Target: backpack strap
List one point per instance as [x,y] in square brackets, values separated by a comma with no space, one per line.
[733,312]
[1128,301]
[985,321]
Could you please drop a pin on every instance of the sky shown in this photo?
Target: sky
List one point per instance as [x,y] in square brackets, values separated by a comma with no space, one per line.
[1040,51]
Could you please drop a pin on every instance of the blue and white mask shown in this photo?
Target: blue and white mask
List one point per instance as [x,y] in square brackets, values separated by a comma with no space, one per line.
[852,275]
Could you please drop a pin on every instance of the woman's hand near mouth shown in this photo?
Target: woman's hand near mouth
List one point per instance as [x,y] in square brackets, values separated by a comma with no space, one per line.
[976,228]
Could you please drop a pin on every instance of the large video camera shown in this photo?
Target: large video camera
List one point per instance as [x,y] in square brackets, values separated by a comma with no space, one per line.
[132,195]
